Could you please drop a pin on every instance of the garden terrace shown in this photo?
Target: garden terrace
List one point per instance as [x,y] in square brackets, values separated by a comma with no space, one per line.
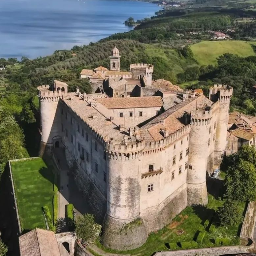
[34,188]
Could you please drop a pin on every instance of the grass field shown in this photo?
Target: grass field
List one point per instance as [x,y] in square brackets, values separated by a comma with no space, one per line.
[34,188]
[207,52]
[185,228]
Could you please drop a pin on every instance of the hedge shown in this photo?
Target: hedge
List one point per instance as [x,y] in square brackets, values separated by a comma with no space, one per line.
[200,237]
[48,217]
[174,246]
[189,245]
[70,216]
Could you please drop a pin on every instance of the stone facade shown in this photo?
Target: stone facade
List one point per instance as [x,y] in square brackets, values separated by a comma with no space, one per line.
[140,160]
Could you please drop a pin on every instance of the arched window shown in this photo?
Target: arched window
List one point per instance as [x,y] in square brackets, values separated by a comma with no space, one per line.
[114,65]
[66,246]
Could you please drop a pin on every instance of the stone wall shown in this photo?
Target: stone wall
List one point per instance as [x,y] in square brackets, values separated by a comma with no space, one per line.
[208,251]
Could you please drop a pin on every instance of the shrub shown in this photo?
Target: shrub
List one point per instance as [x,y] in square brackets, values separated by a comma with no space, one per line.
[48,217]
[218,241]
[70,216]
[173,246]
[206,223]
[225,241]
[212,228]
[189,245]
[200,237]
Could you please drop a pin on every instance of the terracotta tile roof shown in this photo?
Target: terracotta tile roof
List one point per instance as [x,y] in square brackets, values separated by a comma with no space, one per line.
[164,85]
[100,68]
[98,76]
[87,72]
[243,134]
[132,102]
[39,242]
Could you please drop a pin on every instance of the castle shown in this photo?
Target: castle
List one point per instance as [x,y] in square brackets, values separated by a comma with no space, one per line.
[141,151]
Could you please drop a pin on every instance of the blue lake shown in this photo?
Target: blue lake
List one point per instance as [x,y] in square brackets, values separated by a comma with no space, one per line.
[34,28]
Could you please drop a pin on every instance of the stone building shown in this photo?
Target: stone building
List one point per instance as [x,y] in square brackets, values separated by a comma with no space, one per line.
[140,157]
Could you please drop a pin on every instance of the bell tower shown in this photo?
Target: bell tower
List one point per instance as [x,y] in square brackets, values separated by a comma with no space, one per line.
[115,60]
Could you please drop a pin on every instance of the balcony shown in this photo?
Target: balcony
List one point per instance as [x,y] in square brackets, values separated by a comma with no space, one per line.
[151,173]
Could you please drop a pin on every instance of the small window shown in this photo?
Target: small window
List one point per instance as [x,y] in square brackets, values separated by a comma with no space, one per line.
[190,167]
[72,139]
[180,170]
[78,146]
[66,133]
[82,132]
[95,146]
[174,160]
[181,155]
[87,156]
[172,175]
[140,113]
[174,146]
[96,167]
[131,114]
[187,151]
[151,168]
[105,176]
[87,137]
[186,166]
[181,142]
[150,187]
[82,155]
[210,130]
[105,155]
[121,114]
[209,142]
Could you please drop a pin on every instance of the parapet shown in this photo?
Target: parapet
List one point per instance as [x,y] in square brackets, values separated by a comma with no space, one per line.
[149,67]
[220,92]
[201,116]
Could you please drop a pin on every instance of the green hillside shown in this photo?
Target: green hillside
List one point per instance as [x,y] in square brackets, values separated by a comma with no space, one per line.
[207,52]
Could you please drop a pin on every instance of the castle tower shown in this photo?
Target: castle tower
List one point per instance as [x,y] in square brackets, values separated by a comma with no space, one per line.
[50,117]
[115,60]
[198,156]
[123,229]
[142,71]
[222,94]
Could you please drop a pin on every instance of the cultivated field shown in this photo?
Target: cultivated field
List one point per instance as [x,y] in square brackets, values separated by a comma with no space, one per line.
[207,52]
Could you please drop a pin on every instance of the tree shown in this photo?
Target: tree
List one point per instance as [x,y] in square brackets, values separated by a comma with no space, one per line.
[3,248]
[230,214]
[27,114]
[87,229]
[240,180]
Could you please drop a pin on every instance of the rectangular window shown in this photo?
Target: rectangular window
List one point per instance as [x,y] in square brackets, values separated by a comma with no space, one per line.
[87,156]
[140,113]
[121,114]
[151,168]
[78,146]
[172,175]
[181,156]
[96,167]
[105,155]
[174,160]
[105,176]
[181,142]
[180,170]
[209,142]
[186,166]
[131,114]
[150,187]
[95,146]
[174,146]
[72,139]
[190,167]
[210,130]
[66,133]
[87,137]
[187,151]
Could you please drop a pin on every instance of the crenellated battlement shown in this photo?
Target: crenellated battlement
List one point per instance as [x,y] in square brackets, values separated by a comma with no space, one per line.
[149,67]
[134,149]
[220,92]
[201,117]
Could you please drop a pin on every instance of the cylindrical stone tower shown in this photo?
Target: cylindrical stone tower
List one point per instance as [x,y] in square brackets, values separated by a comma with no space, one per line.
[50,117]
[198,155]
[123,229]
[222,94]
